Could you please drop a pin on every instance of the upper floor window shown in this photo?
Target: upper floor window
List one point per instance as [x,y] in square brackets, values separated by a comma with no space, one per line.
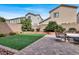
[29,17]
[56,15]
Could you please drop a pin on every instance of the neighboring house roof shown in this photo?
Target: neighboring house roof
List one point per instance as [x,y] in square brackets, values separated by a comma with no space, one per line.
[64,6]
[26,15]
[45,20]
[34,15]
[17,18]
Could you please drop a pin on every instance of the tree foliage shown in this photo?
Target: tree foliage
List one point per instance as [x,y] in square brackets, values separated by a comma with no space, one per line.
[2,19]
[53,26]
[26,25]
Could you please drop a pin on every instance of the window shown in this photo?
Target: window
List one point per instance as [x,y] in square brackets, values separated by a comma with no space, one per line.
[56,15]
[29,17]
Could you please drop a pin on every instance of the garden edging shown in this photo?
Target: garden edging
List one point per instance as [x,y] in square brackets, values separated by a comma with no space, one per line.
[9,49]
[30,45]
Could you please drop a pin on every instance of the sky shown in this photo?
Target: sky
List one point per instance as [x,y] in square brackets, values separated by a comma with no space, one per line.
[10,11]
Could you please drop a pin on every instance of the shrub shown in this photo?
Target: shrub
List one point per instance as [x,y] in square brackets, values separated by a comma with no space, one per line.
[2,19]
[50,27]
[53,26]
[20,32]
[59,29]
[38,29]
[26,25]
[72,30]
[32,30]
[2,35]
[12,33]
[23,28]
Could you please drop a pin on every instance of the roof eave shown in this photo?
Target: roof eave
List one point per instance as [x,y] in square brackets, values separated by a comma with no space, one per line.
[62,5]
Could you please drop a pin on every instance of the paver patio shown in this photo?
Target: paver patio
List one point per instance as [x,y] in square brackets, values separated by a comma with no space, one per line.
[48,46]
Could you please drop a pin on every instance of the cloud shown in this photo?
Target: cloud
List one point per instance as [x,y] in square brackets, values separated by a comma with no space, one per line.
[9,15]
[42,11]
[15,12]
[37,10]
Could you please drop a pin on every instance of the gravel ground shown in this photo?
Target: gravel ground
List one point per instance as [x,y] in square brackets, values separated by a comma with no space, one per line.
[5,52]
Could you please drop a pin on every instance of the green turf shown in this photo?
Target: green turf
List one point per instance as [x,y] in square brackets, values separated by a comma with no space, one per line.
[19,41]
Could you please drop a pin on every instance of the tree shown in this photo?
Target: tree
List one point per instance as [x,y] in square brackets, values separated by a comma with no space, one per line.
[53,26]
[2,19]
[26,25]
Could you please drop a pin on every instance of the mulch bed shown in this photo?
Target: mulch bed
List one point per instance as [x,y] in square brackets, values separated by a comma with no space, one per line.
[5,52]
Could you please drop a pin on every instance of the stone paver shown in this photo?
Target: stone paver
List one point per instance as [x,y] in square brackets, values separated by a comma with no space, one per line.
[48,46]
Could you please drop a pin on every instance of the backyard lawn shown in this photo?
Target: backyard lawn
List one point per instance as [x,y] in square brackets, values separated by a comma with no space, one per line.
[19,41]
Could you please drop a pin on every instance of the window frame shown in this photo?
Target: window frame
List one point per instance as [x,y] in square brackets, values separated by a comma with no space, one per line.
[29,17]
[56,14]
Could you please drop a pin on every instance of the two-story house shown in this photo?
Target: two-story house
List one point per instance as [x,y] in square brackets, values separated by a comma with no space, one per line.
[35,18]
[63,14]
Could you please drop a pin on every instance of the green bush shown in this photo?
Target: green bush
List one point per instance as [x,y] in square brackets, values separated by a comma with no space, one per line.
[26,25]
[2,19]
[38,29]
[50,27]
[59,28]
[23,28]
[32,30]
[2,35]
[12,33]
[53,26]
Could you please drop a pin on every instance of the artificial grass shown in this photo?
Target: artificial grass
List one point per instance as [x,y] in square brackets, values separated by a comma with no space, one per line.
[19,41]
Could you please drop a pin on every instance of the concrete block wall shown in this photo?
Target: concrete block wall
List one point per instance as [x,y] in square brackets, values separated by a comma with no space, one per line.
[6,28]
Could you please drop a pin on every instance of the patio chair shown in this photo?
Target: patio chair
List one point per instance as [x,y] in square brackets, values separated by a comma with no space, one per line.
[60,36]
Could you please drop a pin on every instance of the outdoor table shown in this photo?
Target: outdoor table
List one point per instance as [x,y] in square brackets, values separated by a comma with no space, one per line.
[73,36]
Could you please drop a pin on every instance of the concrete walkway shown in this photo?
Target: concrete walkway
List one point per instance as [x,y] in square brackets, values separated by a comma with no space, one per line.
[48,46]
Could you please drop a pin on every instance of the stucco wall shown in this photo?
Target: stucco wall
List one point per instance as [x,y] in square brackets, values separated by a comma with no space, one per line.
[78,18]
[15,27]
[67,26]
[6,28]
[66,15]
[44,24]
[35,20]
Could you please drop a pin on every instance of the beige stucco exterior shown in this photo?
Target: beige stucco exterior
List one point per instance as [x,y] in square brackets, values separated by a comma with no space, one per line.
[44,23]
[35,20]
[67,26]
[66,15]
[6,28]
[15,27]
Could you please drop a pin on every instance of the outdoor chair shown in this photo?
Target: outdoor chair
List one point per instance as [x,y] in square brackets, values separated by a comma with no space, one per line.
[60,36]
